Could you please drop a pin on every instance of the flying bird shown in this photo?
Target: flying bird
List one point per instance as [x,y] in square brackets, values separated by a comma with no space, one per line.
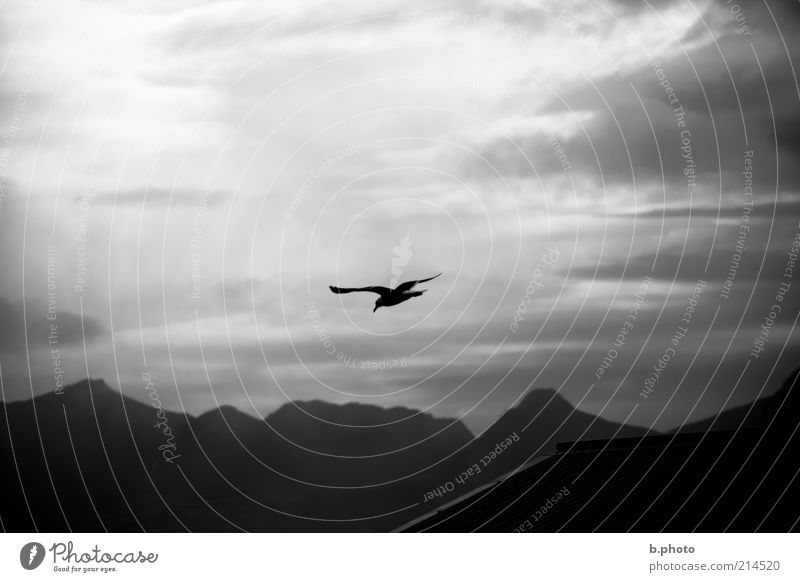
[389,297]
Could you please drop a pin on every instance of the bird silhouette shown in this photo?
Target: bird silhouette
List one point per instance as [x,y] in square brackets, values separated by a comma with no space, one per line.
[389,297]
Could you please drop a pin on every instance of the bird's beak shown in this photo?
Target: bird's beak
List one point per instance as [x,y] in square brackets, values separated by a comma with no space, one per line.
[376,308]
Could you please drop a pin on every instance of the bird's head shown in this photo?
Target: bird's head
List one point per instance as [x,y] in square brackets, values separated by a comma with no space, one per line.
[378,303]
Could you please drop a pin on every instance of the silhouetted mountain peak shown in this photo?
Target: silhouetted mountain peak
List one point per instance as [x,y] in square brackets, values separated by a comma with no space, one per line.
[544,417]
[229,416]
[94,384]
[785,402]
[81,390]
[225,410]
[776,410]
[345,413]
[539,398]
[790,386]
[355,428]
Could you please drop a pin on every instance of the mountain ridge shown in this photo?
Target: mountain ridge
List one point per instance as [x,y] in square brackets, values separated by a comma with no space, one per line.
[126,465]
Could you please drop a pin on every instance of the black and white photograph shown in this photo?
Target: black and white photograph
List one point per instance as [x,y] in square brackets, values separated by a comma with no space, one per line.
[379,267]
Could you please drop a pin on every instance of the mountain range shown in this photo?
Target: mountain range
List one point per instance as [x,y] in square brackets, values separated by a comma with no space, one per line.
[92,459]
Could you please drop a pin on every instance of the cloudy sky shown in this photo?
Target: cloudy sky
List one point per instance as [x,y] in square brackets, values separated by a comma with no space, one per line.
[180,182]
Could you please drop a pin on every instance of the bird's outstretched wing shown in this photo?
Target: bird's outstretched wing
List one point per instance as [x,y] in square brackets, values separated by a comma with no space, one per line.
[374,289]
[408,285]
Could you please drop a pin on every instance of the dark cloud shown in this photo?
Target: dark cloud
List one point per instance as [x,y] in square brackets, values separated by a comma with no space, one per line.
[711,266]
[632,136]
[158,196]
[764,18]
[70,328]
[730,209]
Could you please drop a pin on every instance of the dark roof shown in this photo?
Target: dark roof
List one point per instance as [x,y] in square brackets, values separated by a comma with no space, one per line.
[715,481]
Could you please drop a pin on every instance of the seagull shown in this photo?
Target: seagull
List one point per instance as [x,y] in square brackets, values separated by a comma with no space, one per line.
[388,297]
